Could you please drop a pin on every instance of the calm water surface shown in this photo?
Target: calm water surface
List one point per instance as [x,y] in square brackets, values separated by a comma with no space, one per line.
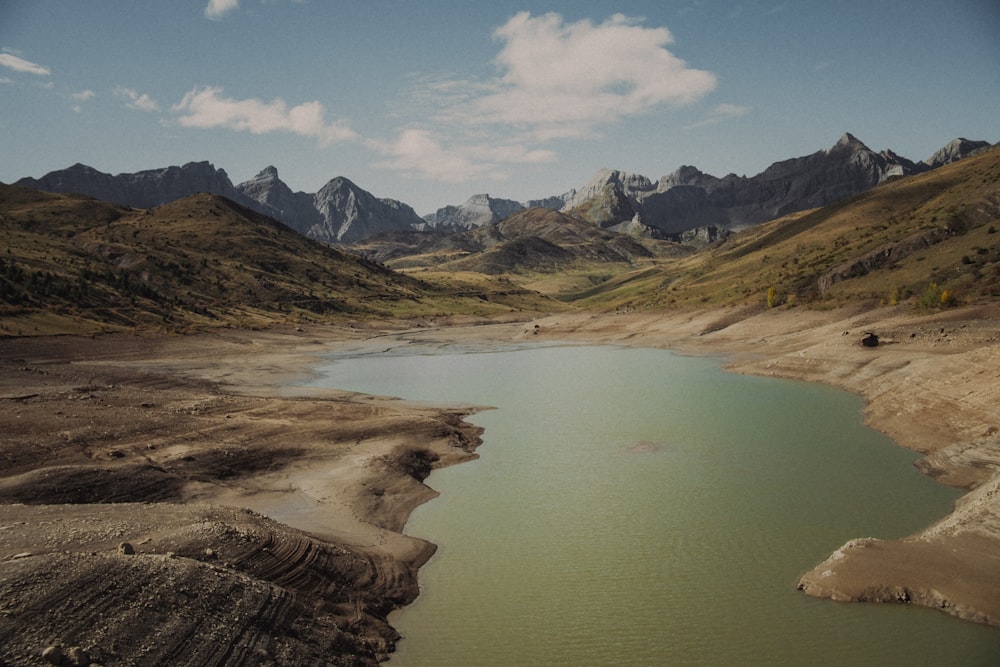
[635,507]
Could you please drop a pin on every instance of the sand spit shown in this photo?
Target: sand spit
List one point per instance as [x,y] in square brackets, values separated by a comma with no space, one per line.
[175,501]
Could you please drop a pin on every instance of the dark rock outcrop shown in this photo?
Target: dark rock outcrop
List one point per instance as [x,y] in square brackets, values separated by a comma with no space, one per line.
[295,209]
[689,199]
[143,189]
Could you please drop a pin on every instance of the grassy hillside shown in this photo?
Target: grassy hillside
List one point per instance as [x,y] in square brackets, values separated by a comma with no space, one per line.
[932,239]
[75,264]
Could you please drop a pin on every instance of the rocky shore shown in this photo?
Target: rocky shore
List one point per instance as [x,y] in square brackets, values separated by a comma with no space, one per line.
[181,500]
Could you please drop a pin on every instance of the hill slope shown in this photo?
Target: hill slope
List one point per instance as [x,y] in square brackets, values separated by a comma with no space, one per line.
[75,263]
[927,236]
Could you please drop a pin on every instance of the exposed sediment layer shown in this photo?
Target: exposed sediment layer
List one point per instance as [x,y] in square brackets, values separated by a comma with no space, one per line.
[125,533]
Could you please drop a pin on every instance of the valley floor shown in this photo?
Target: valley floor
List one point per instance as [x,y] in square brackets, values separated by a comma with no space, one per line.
[178,500]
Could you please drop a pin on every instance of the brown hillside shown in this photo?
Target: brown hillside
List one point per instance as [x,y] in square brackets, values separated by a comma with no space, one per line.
[931,238]
[75,264]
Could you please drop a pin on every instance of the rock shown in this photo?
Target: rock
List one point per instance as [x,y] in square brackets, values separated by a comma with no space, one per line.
[477,211]
[53,654]
[126,549]
[76,657]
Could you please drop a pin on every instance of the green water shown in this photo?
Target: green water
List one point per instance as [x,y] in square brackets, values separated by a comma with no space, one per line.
[635,507]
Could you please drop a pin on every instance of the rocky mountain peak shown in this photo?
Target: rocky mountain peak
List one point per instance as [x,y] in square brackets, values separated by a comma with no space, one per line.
[955,150]
[684,175]
[848,142]
[478,210]
[348,213]
[630,184]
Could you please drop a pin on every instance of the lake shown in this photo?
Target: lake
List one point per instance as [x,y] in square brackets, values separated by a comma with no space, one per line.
[638,507]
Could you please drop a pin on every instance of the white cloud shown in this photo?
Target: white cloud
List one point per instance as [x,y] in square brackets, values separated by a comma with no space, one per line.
[562,79]
[135,100]
[216,9]
[719,114]
[10,61]
[81,96]
[424,154]
[555,80]
[207,108]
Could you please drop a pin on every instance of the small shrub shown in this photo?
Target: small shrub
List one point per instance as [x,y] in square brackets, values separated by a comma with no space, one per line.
[931,298]
[773,298]
[899,294]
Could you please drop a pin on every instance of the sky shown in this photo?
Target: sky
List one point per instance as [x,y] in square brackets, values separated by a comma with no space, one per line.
[432,101]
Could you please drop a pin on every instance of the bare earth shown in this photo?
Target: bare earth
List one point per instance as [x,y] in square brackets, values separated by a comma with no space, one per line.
[266,521]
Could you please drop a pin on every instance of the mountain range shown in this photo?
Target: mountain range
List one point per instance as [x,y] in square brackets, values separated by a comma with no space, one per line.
[686,204]
[76,263]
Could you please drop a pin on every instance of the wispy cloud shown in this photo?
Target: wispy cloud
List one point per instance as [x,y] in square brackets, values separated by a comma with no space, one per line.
[10,61]
[207,108]
[720,114]
[135,100]
[216,9]
[81,96]
[422,153]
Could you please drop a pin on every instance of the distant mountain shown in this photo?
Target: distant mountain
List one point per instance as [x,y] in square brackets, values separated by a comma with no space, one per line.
[143,189]
[532,240]
[270,194]
[690,204]
[686,204]
[955,150]
[689,199]
[930,239]
[350,214]
[477,211]
[340,212]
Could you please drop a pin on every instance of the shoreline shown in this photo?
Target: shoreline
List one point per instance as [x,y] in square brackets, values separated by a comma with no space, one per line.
[338,473]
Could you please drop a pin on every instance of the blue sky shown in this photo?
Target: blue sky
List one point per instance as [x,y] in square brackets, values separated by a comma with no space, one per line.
[432,101]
